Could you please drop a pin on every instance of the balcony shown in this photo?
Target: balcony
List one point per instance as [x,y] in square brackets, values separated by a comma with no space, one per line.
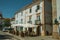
[30,22]
[37,22]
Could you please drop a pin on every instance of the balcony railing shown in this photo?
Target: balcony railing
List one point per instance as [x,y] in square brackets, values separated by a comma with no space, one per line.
[37,22]
[30,22]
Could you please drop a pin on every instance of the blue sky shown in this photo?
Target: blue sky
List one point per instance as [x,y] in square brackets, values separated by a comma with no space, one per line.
[9,7]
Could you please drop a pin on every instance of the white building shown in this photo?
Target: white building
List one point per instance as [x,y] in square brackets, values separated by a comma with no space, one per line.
[35,18]
[26,18]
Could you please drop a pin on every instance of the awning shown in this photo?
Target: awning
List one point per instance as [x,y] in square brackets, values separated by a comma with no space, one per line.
[24,25]
[30,25]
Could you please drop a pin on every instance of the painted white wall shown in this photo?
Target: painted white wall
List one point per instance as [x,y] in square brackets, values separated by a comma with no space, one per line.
[20,17]
[34,9]
[26,14]
[24,17]
[16,17]
[33,19]
[33,13]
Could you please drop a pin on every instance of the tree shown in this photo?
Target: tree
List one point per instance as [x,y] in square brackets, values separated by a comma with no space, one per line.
[7,22]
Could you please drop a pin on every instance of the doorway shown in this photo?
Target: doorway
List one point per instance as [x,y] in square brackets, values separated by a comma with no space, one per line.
[30,30]
[38,30]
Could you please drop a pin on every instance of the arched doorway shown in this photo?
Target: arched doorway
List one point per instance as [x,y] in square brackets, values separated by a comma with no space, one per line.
[38,30]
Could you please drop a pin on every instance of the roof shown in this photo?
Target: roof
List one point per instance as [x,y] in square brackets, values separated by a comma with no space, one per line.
[28,6]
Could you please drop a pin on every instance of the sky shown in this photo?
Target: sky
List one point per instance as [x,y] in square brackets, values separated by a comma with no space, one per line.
[9,7]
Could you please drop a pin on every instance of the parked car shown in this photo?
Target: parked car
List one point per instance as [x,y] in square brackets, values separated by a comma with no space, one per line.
[5,29]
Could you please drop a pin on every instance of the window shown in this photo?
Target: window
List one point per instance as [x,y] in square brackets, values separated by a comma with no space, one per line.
[21,28]
[30,10]
[38,17]
[17,28]
[30,20]
[38,7]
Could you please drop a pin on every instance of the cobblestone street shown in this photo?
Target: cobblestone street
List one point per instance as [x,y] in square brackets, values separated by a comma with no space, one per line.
[8,36]
[29,19]
[40,38]
[5,36]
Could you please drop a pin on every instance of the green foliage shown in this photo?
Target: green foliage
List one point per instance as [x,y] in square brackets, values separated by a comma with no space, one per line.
[7,22]
[56,22]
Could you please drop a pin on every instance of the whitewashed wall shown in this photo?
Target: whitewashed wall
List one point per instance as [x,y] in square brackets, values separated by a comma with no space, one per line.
[26,14]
